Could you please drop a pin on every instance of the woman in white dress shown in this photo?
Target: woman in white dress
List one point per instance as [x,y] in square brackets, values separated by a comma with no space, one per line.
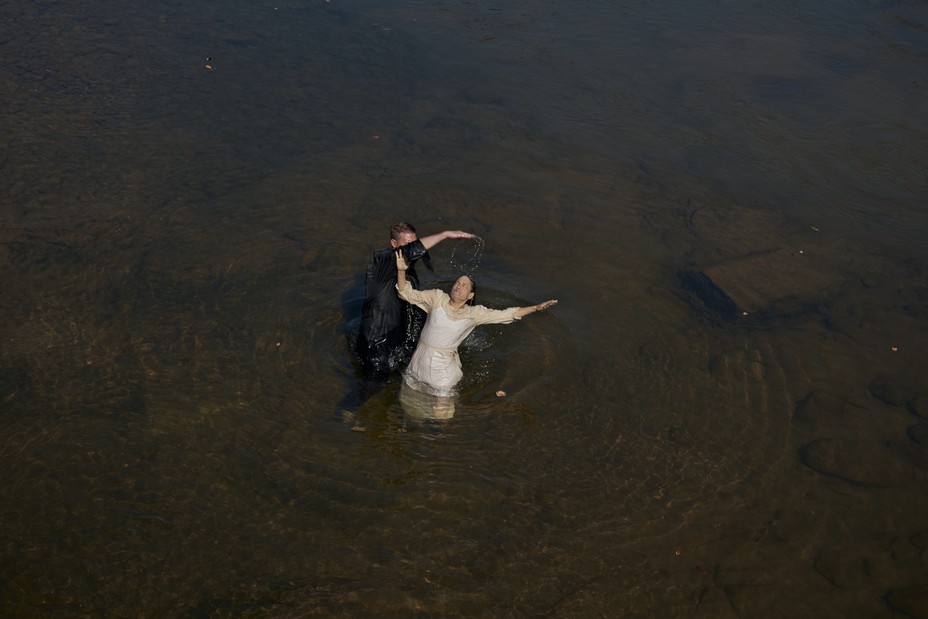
[435,366]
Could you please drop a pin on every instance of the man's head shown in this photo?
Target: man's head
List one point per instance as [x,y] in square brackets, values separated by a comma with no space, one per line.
[402,234]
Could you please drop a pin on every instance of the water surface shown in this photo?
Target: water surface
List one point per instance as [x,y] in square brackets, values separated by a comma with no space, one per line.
[180,255]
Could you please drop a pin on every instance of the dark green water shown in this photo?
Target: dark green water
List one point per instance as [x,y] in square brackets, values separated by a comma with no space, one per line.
[180,251]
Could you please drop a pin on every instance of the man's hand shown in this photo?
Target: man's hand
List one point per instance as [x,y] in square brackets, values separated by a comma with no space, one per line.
[431,241]
[459,234]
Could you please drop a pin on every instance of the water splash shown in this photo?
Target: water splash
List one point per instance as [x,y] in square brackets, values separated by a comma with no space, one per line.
[465,257]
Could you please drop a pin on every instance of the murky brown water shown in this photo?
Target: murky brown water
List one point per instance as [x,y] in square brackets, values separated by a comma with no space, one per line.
[180,253]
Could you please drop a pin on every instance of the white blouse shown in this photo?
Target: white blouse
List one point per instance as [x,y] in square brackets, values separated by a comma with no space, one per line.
[435,366]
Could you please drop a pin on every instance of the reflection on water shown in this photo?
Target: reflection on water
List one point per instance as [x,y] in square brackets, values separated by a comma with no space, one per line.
[421,406]
[180,254]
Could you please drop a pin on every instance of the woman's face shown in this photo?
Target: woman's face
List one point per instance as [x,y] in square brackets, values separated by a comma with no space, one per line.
[463,290]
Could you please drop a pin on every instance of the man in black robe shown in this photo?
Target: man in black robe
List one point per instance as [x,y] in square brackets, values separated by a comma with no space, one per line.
[390,326]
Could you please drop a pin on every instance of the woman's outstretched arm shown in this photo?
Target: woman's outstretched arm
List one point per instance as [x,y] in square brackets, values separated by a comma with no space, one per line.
[531,309]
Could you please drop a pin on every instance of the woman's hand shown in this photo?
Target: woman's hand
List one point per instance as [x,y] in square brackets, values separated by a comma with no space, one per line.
[401,267]
[531,309]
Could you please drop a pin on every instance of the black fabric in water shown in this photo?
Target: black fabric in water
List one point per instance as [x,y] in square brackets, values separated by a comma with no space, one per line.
[389,326]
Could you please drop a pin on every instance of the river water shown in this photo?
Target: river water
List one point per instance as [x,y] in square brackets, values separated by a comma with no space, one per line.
[190,194]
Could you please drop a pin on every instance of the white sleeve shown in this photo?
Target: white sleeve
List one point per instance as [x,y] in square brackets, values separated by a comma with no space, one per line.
[486,316]
[426,300]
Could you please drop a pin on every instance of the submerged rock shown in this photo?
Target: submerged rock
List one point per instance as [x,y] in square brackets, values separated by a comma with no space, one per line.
[920,540]
[821,404]
[769,281]
[893,563]
[911,602]
[845,568]
[715,604]
[739,365]
[916,455]
[888,391]
[825,413]
[918,407]
[919,433]
[862,463]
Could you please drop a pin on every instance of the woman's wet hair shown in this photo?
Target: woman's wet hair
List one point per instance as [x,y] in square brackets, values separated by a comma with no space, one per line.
[473,289]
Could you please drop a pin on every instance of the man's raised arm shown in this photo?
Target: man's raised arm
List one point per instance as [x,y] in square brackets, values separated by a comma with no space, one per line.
[431,241]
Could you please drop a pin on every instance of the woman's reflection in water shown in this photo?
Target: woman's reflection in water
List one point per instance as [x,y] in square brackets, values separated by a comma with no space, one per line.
[419,406]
